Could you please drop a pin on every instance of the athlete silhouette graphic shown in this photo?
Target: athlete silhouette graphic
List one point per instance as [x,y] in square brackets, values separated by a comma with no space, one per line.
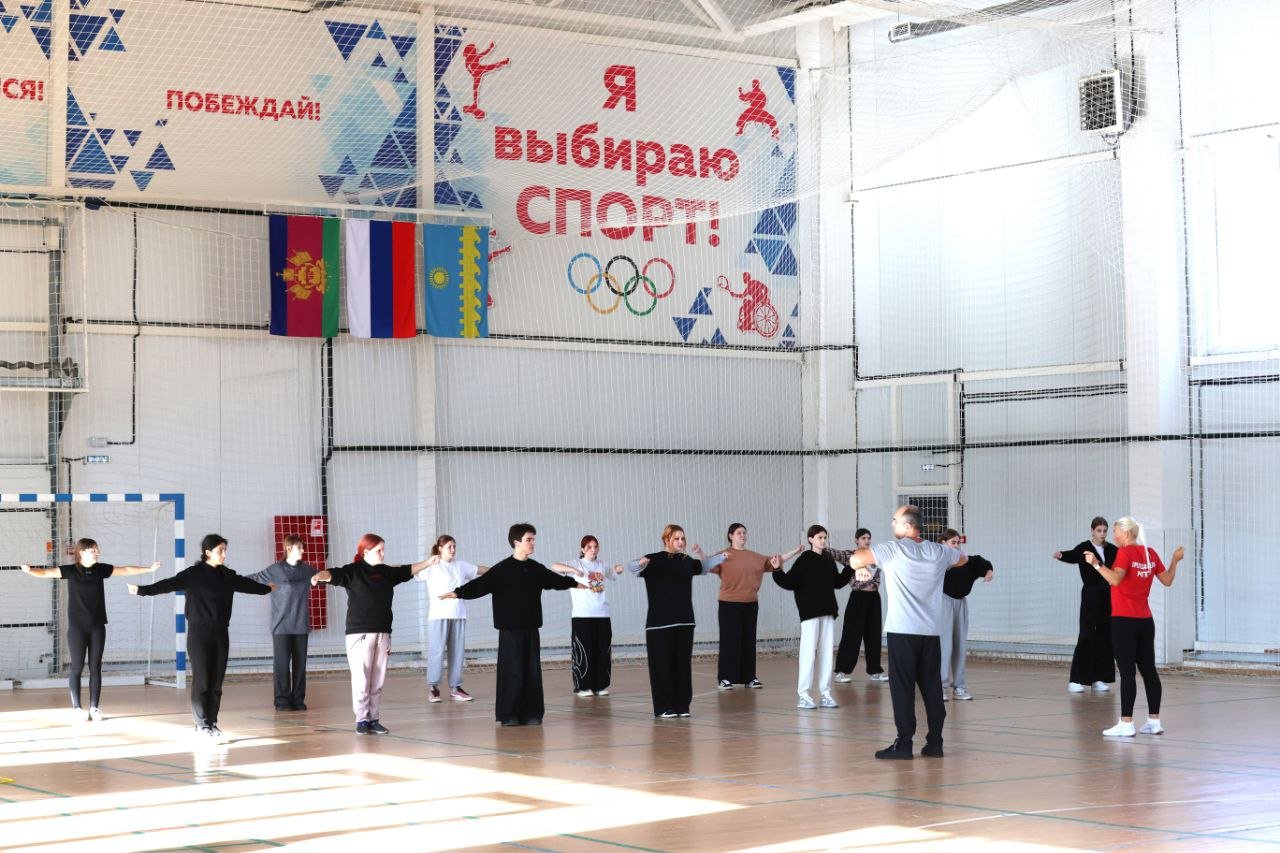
[476,67]
[755,99]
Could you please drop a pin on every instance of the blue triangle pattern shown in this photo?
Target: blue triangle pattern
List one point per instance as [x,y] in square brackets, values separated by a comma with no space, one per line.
[769,250]
[456,158]
[455,116]
[366,183]
[162,122]
[409,145]
[375,31]
[43,38]
[141,179]
[768,224]
[403,44]
[788,78]
[347,167]
[106,134]
[8,21]
[795,312]
[445,134]
[159,160]
[389,180]
[111,41]
[751,248]
[75,136]
[132,136]
[72,56]
[409,198]
[75,117]
[444,194]
[787,212]
[116,14]
[700,305]
[787,333]
[389,156]
[42,14]
[91,183]
[331,183]
[84,29]
[378,62]
[118,160]
[445,50]
[346,36]
[408,118]
[787,182]
[470,200]
[684,325]
[718,339]
[399,78]
[785,264]
[92,159]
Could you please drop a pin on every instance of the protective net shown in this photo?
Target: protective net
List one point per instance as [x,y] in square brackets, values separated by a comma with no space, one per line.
[742,266]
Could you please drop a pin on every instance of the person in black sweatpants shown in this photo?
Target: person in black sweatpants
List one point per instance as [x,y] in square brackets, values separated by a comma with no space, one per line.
[210,588]
[863,622]
[86,616]
[516,585]
[1093,663]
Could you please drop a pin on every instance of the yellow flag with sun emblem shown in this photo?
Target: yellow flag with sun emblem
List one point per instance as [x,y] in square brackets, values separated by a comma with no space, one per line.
[457,286]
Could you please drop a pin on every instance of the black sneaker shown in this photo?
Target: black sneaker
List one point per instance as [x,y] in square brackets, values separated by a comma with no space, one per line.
[535,721]
[666,715]
[724,684]
[377,728]
[511,722]
[300,706]
[362,728]
[755,684]
[899,750]
[931,750]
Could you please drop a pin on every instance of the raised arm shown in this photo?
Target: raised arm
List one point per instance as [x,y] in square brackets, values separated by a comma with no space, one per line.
[322,576]
[1073,556]
[1166,577]
[135,570]
[414,568]
[565,569]
[637,566]
[51,572]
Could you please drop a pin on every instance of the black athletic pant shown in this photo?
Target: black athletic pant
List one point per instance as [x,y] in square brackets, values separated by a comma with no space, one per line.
[1135,644]
[82,642]
[592,652]
[862,625]
[670,668]
[738,641]
[207,647]
[915,660]
[1093,659]
[519,693]
[289,669]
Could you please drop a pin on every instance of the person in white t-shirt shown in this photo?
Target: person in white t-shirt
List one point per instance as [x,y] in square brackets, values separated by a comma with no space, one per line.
[592,629]
[446,618]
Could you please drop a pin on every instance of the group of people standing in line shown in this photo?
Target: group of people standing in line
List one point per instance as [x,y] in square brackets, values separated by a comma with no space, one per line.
[926,622]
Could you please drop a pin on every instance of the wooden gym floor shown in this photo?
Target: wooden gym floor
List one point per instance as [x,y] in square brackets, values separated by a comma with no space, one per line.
[1025,768]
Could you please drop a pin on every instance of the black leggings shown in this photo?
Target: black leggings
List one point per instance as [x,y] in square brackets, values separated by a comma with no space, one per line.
[1134,641]
[79,642]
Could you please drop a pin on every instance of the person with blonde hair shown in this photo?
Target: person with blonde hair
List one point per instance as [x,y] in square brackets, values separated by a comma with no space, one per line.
[1133,628]
[668,626]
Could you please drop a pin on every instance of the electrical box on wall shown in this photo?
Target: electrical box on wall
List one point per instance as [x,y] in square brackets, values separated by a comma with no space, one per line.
[315,539]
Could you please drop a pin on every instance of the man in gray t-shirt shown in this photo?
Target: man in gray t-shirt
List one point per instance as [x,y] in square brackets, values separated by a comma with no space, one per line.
[913,574]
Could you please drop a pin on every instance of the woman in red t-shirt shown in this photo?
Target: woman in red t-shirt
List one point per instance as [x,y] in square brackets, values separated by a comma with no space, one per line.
[1133,630]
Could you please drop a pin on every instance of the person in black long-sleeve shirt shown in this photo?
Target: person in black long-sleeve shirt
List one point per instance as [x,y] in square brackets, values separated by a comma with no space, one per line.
[668,628]
[814,579]
[370,589]
[1093,662]
[516,585]
[210,588]
[953,620]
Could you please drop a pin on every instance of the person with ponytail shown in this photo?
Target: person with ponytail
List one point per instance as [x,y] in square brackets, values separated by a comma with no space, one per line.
[370,587]
[1133,629]
[1093,663]
[86,615]
[446,617]
[814,579]
[592,631]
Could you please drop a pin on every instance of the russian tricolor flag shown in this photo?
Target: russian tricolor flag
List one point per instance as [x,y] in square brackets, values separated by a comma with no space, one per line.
[381,262]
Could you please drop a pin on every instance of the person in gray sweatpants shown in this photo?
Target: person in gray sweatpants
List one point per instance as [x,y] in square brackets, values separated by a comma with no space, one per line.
[954,617]
[446,618]
[289,623]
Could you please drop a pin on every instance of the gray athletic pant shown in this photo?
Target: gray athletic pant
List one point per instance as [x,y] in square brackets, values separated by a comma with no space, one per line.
[442,633]
[954,628]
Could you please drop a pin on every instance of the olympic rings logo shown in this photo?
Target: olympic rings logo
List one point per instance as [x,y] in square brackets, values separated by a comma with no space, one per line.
[640,278]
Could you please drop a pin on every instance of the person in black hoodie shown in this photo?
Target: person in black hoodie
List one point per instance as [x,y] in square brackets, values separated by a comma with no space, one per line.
[86,615]
[814,578]
[210,587]
[370,589]
[1093,662]
[668,626]
[516,585]
[953,621]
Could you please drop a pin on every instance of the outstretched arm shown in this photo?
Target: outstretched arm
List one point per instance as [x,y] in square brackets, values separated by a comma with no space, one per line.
[565,569]
[1113,576]
[322,576]
[42,571]
[1166,577]
[136,570]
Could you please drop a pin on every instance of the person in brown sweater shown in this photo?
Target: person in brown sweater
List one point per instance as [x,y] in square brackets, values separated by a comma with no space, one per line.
[741,574]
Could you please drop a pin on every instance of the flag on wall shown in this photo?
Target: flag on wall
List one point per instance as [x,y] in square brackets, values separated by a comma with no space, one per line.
[381,260]
[304,276]
[456,294]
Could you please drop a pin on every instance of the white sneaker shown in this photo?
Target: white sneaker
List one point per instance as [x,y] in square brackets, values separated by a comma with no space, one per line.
[584,694]
[1120,729]
[1073,687]
[806,702]
[961,693]
[843,678]
[827,702]
[604,692]
[879,676]
[1152,727]
[95,714]
[1101,686]
[946,695]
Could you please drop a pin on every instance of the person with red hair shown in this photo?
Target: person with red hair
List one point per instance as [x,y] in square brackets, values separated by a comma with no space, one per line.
[370,586]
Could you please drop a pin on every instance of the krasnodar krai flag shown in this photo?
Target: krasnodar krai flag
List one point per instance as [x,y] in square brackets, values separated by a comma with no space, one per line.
[380,261]
[456,294]
[304,276]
